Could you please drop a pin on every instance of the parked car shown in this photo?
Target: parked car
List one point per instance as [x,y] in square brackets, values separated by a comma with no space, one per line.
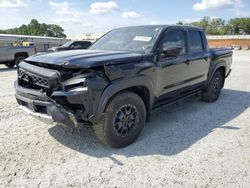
[71,45]
[13,55]
[236,47]
[121,78]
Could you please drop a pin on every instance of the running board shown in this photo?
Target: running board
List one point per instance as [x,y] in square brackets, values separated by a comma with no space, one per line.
[178,99]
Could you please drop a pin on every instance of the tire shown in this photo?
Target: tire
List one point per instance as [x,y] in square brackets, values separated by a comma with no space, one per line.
[213,90]
[19,60]
[10,64]
[124,120]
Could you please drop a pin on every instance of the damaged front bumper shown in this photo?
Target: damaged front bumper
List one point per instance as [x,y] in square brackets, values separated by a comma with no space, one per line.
[42,107]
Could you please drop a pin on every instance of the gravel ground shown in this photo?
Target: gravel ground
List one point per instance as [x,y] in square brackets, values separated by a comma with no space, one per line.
[193,144]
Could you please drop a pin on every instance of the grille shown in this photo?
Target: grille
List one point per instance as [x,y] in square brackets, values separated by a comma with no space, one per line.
[30,81]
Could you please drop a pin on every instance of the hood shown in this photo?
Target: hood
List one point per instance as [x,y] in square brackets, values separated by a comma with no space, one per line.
[85,58]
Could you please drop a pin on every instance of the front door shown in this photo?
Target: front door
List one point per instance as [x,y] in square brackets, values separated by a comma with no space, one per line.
[174,71]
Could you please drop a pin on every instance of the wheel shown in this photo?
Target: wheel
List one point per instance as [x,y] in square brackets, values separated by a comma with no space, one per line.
[124,120]
[214,88]
[10,64]
[19,60]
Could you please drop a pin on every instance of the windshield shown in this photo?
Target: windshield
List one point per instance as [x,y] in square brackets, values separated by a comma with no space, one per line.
[135,39]
[67,44]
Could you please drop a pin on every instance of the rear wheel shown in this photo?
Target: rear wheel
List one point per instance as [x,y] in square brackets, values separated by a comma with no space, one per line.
[19,60]
[214,88]
[10,64]
[124,120]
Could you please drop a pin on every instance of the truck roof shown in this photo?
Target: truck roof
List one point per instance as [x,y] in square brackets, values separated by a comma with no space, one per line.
[167,26]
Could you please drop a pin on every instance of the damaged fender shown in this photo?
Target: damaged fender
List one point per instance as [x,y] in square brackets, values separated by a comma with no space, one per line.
[120,85]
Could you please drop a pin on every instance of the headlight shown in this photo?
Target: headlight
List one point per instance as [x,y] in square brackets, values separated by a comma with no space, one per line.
[75,84]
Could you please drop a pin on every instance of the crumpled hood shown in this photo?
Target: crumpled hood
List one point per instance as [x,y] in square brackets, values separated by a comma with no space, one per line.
[85,58]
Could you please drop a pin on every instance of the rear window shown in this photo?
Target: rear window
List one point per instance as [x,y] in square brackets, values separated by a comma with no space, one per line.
[196,41]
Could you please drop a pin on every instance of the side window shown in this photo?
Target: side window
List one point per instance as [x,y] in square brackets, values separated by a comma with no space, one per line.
[175,38]
[85,44]
[82,44]
[196,41]
[75,45]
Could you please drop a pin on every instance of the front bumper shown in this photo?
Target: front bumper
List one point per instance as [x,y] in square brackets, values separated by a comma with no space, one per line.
[43,108]
[42,117]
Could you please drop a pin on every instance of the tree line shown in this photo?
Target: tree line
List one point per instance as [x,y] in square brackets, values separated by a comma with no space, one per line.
[35,28]
[218,26]
[212,26]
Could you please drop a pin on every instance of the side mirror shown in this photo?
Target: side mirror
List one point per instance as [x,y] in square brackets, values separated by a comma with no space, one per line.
[172,51]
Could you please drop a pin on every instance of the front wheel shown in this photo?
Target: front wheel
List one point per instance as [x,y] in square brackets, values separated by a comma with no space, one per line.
[124,120]
[10,64]
[214,88]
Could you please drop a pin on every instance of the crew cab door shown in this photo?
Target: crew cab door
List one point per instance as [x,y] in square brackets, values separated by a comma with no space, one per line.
[174,71]
[199,56]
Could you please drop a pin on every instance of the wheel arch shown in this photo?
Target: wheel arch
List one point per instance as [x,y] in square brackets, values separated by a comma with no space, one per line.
[216,66]
[219,65]
[141,85]
[21,54]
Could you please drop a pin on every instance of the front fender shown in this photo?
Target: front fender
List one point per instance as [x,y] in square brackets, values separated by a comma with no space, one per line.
[123,84]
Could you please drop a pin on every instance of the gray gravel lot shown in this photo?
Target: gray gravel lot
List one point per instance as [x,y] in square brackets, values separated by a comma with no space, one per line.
[193,144]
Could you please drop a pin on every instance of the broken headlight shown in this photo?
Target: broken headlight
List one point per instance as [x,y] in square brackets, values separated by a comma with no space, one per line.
[75,84]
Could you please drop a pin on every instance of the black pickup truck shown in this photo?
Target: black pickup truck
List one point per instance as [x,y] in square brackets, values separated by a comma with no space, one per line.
[120,79]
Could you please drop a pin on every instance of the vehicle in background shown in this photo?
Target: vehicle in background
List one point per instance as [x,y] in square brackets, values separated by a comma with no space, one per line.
[120,79]
[236,47]
[71,45]
[13,55]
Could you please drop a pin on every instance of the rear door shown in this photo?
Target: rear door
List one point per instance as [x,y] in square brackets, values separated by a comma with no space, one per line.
[199,57]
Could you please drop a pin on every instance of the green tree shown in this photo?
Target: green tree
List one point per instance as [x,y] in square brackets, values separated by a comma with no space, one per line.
[234,25]
[239,25]
[179,23]
[204,23]
[37,29]
[215,26]
[218,26]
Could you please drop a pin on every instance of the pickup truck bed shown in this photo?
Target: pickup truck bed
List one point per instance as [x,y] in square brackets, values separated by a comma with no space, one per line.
[218,52]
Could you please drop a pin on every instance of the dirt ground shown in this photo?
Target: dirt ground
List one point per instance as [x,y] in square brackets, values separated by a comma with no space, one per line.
[193,144]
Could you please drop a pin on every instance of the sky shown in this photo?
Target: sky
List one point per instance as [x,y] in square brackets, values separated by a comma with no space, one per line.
[87,16]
